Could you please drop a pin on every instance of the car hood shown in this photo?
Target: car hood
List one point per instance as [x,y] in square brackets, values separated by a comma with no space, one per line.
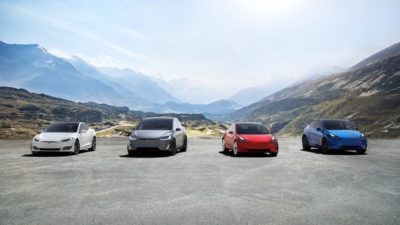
[256,137]
[152,134]
[54,136]
[346,133]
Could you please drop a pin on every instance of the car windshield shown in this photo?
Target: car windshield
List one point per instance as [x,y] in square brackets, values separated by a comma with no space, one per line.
[155,124]
[62,127]
[337,125]
[251,129]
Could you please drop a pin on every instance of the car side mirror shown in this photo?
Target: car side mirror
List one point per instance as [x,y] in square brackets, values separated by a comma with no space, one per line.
[41,130]
[178,129]
[230,132]
[319,129]
[357,128]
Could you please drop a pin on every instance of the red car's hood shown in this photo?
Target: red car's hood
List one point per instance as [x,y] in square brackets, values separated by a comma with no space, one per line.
[257,137]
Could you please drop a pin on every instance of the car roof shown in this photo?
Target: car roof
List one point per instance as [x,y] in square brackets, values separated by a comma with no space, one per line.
[159,117]
[249,123]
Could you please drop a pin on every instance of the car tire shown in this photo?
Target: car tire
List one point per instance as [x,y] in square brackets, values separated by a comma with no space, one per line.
[361,151]
[77,147]
[93,148]
[131,153]
[172,150]
[304,141]
[184,146]
[224,149]
[324,146]
[273,154]
[235,151]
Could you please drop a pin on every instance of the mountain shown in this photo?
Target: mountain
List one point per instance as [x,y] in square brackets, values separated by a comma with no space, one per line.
[253,94]
[368,95]
[216,107]
[33,68]
[379,56]
[23,113]
[142,85]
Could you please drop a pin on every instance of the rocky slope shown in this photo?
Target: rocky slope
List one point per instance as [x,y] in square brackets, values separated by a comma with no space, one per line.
[368,95]
[23,113]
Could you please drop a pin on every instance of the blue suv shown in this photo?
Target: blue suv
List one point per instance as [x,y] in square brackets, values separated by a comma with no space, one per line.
[328,134]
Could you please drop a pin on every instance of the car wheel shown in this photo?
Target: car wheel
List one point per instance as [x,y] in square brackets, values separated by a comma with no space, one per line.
[76,147]
[93,148]
[306,146]
[361,151]
[324,146]
[224,149]
[235,149]
[273,154]
[172,147]
[131,153]
[184,147]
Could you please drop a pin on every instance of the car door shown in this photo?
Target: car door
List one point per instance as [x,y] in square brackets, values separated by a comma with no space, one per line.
[229,137]
[85,135]
[317,133]
[179,135]
[312,133]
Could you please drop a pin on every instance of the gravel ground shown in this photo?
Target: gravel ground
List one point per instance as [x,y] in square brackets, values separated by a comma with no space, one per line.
[201,186]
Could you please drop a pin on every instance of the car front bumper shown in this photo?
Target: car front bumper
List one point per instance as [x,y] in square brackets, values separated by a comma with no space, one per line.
[258,147]
[348,144]
[149,145]
[52,146]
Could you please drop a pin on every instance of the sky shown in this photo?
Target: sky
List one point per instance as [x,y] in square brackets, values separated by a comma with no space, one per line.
[207,50]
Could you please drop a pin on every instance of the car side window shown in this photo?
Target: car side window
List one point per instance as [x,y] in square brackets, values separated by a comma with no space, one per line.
[176,124]
[315,124]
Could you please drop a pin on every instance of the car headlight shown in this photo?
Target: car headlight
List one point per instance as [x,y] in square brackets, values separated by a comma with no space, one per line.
[36,139]
[242,139]
[166,138]
[273,139]
[362,135]
[132,137]
[332,135]
[66,139]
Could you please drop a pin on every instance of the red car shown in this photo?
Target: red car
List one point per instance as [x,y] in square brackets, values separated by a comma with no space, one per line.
[249,137]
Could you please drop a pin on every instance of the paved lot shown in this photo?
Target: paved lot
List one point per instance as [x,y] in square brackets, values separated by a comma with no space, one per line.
[201,186]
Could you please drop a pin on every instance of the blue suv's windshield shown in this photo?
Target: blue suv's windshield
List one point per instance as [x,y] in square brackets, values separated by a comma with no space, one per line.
[337,125]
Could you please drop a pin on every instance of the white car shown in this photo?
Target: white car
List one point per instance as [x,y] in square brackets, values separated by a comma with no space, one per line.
[65,137]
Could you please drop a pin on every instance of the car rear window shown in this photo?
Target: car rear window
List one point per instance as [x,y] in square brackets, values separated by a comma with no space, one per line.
[62,127]
[251,129]
[155,124]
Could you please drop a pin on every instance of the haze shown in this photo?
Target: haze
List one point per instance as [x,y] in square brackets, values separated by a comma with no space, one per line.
[208,50]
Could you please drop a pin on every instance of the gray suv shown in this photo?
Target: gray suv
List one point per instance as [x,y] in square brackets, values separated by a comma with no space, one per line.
[158,134]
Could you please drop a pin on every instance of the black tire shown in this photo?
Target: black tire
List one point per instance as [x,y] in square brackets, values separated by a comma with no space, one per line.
[172,147]
[324,146]
[304,141]
[361,151]
[93,148]
[224,149]
[184,147]
[131,153]
[273,154]
[77,147]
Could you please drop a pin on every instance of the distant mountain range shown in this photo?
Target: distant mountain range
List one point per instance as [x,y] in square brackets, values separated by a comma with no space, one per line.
[22,113]
[367,94]
[33,68]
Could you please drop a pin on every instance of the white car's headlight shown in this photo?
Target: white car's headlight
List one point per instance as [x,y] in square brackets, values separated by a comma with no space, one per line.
[166,137]
[66,139]
[36,139]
